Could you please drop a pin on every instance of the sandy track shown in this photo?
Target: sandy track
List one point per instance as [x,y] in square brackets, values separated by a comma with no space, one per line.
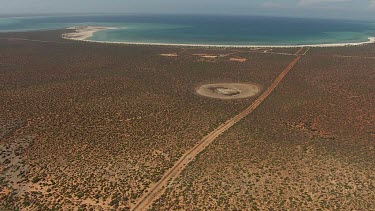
[157,189]
[298,52]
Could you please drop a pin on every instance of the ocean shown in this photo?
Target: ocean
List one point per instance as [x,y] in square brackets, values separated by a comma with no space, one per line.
[205,30]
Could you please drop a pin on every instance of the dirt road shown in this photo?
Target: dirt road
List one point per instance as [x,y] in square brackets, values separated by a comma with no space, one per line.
[156,190]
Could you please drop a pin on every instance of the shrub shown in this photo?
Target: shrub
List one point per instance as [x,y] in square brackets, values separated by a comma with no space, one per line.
[36,179]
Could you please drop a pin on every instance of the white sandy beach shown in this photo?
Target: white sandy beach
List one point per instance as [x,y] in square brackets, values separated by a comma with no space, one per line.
[83,33]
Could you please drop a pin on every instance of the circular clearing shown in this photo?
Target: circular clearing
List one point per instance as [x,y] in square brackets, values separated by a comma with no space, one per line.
[228,91]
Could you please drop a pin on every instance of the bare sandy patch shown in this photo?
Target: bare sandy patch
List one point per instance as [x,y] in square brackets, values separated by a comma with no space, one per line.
[207,56]
[228,91]
[169,54]
[238,59]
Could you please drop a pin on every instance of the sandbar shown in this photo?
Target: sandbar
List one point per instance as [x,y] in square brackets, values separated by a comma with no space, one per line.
[84,32]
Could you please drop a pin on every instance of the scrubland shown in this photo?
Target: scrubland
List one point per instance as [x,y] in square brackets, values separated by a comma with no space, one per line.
[91,126]
[309,146]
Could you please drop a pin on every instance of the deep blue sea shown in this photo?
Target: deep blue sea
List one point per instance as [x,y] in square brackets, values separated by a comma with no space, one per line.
[220,30]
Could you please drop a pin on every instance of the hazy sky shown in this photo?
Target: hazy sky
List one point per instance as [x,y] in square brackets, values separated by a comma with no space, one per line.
[347,9]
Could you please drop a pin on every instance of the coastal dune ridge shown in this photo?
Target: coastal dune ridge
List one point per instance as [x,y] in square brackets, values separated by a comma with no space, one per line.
[83,33]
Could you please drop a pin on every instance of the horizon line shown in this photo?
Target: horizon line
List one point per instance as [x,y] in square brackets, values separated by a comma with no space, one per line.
[22,15]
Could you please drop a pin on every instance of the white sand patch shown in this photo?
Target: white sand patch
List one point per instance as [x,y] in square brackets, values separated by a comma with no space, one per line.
[169,54]
[206,56]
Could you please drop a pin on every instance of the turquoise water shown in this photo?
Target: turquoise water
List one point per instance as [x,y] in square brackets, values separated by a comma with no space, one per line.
[220,30]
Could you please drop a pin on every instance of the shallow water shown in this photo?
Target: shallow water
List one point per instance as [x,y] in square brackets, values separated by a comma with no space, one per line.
[219,30]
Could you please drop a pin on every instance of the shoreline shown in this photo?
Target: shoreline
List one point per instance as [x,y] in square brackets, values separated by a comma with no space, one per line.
[82,33]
